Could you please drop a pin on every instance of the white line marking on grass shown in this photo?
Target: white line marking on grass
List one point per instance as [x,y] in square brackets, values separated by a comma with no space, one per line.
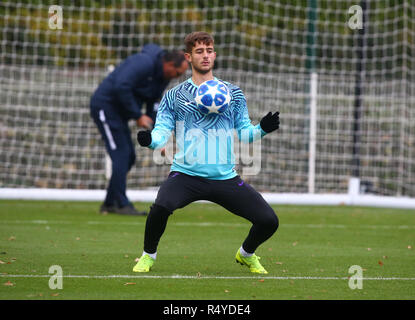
[177,276]
[211,224]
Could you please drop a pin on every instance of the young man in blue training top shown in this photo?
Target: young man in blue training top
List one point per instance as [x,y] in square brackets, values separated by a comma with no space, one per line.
[139,79]
[190,178]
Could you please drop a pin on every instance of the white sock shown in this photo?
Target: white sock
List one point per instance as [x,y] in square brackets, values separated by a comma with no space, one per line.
[244,253]
[153,255]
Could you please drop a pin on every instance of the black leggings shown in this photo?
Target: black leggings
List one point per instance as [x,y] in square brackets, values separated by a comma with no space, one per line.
[179,190]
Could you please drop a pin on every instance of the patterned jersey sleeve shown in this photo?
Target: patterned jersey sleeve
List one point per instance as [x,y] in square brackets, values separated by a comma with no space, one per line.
[165,121]
[247,132]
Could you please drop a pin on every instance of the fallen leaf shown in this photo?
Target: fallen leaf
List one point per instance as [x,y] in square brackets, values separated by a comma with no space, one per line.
[129,283]
[77,238]
[295,243]
[380,263]
[54,294]
[199,274]
[409,247]
[8,284]
[262,280]
[278,262]
[227,291]
[369,249]
[12,238]
[2,262]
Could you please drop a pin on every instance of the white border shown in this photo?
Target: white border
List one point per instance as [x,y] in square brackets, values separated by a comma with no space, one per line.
[272,198]
[177,276]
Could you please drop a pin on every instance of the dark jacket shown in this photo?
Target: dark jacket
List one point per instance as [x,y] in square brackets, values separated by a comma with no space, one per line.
[137,80]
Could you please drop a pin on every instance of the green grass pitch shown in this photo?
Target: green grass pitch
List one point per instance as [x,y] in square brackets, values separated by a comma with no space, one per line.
[307,258]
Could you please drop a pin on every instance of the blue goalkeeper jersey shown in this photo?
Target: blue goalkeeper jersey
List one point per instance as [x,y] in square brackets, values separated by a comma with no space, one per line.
[204,143]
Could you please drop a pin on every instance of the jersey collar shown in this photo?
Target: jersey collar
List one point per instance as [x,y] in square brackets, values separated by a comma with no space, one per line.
[191,81]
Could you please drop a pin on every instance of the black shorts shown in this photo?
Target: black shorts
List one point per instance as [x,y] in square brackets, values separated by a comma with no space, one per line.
[235,195]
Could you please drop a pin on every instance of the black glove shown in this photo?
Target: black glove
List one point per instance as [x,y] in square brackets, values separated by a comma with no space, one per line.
[144,138]
[270,122]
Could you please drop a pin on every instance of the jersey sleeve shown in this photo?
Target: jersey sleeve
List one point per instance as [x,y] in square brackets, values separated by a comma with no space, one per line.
[165,122]
[129,74]
[247,132]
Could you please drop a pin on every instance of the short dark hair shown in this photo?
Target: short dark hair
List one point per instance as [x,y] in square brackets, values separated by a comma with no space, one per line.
[198,36]
[177,56]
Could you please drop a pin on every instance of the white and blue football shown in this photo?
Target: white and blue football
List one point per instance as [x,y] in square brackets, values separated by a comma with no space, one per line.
[212,96]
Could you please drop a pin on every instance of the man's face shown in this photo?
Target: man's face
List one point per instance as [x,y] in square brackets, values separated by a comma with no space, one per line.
[202,57]
[171,72]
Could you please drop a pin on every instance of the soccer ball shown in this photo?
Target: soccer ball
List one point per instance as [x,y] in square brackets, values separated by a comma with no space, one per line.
[212,96]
